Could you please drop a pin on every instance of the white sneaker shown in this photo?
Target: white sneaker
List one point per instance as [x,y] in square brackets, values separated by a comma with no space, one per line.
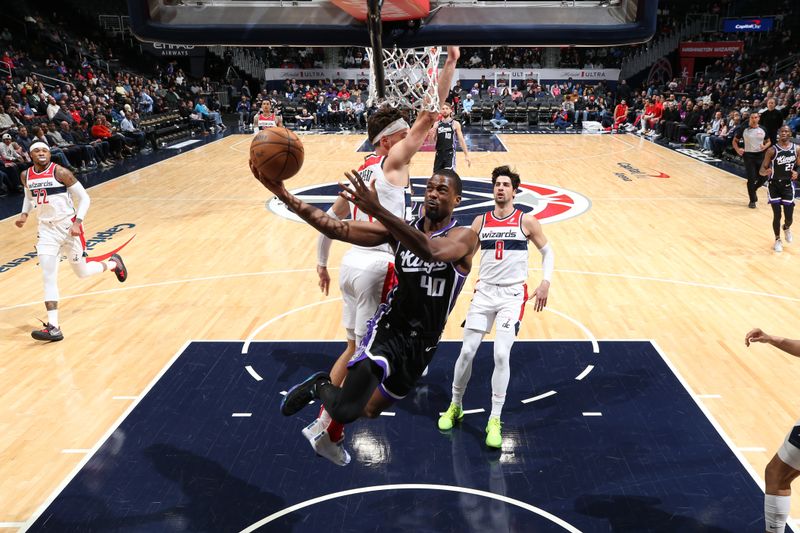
[778,246]
[320,440]
[313,429]
[332,451]
[787,232]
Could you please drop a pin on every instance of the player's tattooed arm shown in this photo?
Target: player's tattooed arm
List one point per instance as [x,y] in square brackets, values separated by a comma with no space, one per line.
[65,176]
[354,232]
[460,243]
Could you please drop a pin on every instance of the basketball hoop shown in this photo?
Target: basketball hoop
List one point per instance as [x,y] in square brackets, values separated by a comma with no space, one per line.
[409,78]
[400,77]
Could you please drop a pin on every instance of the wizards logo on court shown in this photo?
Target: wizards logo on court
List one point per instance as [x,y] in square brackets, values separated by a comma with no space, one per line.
[547,203]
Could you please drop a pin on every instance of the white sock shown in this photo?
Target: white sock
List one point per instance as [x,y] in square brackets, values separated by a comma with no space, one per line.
[52,317]
[112,265]
[325,418]
[776,512]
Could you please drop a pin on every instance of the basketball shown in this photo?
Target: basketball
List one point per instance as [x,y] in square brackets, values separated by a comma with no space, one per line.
[277,153]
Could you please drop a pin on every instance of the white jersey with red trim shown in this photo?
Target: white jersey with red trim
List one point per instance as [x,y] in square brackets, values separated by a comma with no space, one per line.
[392,197]
[50,197]
[504,249]
[265,121]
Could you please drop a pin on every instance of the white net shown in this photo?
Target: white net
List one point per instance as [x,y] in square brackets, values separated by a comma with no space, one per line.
[411,78]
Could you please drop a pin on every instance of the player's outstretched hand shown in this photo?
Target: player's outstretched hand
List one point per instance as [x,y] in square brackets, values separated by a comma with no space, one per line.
[756,335]
[540,296]
[21,220]
[324,279]
[275,186]
[365,198]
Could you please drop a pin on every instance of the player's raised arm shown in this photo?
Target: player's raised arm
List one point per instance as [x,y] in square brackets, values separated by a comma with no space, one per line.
[402,152]
[354,232]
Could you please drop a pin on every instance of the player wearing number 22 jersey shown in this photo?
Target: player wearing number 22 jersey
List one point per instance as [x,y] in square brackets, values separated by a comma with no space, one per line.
[51,191]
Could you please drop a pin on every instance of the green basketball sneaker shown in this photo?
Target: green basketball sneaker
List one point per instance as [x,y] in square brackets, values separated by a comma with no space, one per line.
[494,439]
[449,418]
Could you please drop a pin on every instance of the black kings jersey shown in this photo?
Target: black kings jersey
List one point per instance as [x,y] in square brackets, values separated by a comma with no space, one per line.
[445,136]
[783,163]
[425,292]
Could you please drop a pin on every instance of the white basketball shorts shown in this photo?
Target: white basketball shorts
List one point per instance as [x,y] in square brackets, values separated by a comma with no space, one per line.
[54,239]
[789,452]
[364,279]
[503,304]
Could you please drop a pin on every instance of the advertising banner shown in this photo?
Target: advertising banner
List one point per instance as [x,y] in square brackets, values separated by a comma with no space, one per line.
[710,49]
[754,24]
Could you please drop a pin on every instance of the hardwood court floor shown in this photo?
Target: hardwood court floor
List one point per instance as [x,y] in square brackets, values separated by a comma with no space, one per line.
[680,260]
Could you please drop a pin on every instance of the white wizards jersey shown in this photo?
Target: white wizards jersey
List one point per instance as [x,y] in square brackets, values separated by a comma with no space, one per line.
[504,249]
[392,197]
[265,121]
[50,196]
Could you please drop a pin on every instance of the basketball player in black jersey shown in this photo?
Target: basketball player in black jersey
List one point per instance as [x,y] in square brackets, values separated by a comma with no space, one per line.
[446,130]
[779,165]
[432,261]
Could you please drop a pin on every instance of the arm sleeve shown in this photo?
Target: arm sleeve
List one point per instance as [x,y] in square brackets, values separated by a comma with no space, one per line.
[324,243]
[548,261]
[79,193]
[27,201]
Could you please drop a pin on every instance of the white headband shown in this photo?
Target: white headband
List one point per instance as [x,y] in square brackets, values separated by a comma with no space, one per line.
[39,144]
[398,125]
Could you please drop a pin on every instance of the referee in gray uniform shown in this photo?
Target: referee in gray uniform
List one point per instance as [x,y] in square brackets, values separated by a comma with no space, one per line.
[756,142]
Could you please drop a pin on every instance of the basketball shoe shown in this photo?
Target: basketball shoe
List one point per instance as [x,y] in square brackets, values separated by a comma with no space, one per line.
[121,272]
[48,333]
[301,394]
[778,247]
[494,437]
[321,442]
[449,418]
[787,233]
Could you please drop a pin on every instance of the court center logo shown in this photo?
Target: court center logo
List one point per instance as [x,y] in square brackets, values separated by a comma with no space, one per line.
[547,203]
